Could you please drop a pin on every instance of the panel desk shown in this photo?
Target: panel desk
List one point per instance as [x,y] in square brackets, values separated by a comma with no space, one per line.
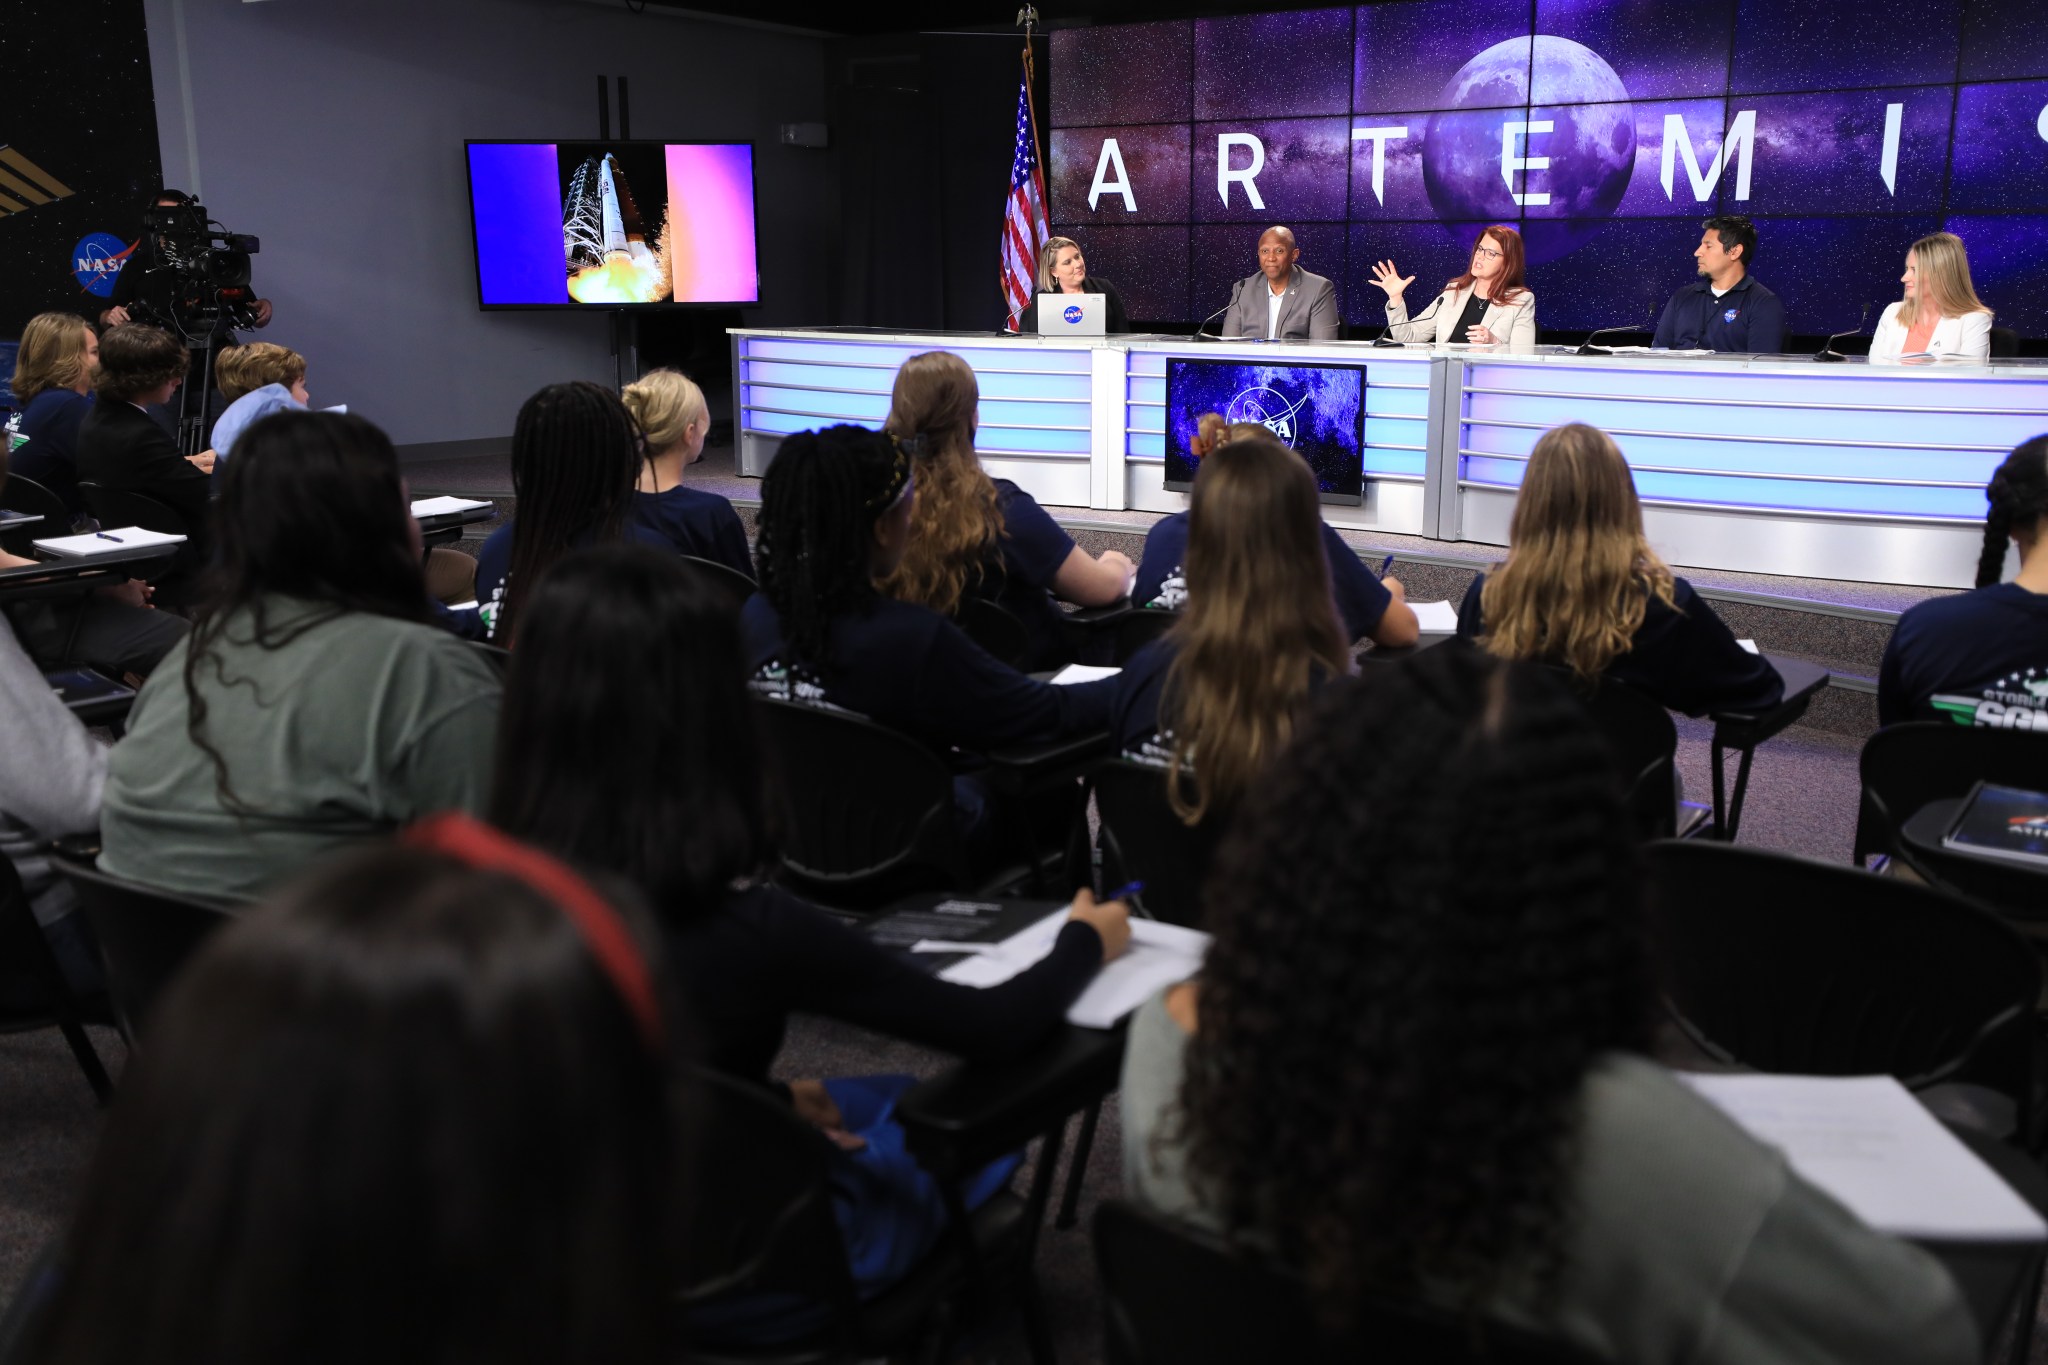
[1760,464]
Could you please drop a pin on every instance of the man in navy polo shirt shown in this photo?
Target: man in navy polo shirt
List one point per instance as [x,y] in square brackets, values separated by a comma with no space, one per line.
[1724,310]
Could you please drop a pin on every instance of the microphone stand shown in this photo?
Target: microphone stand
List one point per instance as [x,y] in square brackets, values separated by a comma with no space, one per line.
[1587,347]
[1828,354]
[1235,290]
[1386,337]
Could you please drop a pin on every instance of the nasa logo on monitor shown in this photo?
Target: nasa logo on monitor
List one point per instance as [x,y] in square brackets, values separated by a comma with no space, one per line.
[1072,314]
[97,260]
[1269,408]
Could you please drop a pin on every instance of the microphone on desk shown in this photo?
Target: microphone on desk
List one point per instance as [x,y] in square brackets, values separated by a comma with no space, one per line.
[1235,290]
[1015,313]
[1386,337]
[1587,347]
[1828,354]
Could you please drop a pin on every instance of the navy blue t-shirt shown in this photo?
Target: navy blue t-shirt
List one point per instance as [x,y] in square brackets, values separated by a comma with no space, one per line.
[1683,655]
[50,455]
[905,666]
[1031,550]
[1134,718]
[1361,598]
[696,523]
[494,562]
[1747,319]
[1979,658]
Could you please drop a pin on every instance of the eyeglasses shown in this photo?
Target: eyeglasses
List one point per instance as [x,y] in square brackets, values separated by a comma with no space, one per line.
[1488,252]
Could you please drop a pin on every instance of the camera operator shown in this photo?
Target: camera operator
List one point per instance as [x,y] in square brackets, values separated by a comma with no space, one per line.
[144,280]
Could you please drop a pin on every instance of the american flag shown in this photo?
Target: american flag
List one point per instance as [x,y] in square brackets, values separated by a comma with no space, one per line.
[1024,225]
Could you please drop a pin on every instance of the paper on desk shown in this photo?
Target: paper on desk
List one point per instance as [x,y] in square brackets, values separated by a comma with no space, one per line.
[1080,673]
[441,507]
[1749,645]
[106,542]
[1159,955]
[1435,618]
[1867,1141]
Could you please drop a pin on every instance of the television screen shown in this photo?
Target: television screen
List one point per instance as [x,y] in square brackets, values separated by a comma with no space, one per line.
[613,224]
[1317,410]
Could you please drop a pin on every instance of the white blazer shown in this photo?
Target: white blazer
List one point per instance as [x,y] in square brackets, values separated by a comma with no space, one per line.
[1515,325]
[1965,338]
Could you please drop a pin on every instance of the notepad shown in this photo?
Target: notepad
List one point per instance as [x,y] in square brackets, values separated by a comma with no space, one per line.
[1159,955]
[106,542]
[1867,1141]
[441,507]
[1080,673]
[1435,618]
[1749,646]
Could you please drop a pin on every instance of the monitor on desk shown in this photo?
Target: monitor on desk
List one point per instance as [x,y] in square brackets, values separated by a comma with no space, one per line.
[1318,410]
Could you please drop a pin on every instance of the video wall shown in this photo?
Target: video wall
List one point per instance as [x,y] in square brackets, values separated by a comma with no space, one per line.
[1606,130]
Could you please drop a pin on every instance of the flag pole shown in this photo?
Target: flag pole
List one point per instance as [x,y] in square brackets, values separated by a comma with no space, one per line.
[1027,19]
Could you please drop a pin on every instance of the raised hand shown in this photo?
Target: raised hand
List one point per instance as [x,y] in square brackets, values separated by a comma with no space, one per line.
[1390,279]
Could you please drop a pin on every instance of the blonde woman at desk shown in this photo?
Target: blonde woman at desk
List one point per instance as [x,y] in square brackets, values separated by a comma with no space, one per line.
[1941,314]
[1486,306]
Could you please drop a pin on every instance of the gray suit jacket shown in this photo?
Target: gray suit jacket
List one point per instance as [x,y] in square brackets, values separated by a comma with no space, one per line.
[1308,309]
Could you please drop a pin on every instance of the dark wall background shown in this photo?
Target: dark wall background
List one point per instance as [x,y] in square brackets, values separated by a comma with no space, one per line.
[79,104]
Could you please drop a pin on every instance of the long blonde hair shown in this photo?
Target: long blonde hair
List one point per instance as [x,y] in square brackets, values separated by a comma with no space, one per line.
[1580,573]
[1259,619]
[958,520]
[52,355]
[1943,269]
[1048,254]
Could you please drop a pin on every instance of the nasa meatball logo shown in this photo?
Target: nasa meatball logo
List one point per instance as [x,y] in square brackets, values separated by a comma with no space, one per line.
[1072,314]
[1269,408]
[1728,316]
[97,260]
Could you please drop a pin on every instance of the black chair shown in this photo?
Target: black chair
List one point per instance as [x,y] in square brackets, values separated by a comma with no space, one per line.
[2005,343]
[18,494]
[1138,628]
[31,970]
[762,1223]
[994,628]
[729,582]
[1177,1295]
[1644,742]
[870,810]
[1141,839]
[1784,964]
[145,937]
[1905,767]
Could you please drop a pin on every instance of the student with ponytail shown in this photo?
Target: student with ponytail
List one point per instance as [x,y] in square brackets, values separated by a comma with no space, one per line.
[1981,658]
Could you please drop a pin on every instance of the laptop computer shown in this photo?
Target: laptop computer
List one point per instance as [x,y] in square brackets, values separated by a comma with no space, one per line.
[1074,315]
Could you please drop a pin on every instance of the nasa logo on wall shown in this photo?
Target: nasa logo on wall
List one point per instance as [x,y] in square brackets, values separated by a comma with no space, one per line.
[1728,316]
[97,260]
[1072,313]
[1269,408]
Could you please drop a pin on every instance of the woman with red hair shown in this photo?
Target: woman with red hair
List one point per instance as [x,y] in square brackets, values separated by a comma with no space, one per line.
[1487,305]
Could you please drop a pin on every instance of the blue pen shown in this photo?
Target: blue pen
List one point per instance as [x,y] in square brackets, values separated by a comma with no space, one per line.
[1127,889]
[1385,564]
[104,536]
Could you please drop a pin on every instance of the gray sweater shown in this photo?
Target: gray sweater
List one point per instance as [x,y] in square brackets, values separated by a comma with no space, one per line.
[1693,1242]
[51,775]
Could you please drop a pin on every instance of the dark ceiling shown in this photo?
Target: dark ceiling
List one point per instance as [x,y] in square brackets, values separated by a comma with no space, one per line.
[910,16]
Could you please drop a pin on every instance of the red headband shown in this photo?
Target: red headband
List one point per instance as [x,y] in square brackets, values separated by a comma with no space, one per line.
[470,841]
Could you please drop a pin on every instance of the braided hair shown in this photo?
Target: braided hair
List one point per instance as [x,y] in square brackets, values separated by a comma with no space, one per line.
[2018,494]
[1427,932]
[575,460]
[819,504]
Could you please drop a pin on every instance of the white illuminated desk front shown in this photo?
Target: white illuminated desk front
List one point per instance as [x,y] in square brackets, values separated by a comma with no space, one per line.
[1772,465]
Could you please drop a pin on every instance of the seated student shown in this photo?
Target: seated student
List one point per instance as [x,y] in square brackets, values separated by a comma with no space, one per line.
[1370,607]
[973,536]
[1215,697]
[256,378]
[674,421]
[836,511]
[313,704]
[628,745]
[1981,657]
[575,455]
[53,377]
[121,446]
[1581,587]
[423,1107]
[1413,1061]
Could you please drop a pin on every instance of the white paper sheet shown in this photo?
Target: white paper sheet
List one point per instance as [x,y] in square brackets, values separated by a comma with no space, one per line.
[1749,645]
[106,542]
[1080,673]
[1435,618]
[440,507]
[1867,1141]
[1159,955]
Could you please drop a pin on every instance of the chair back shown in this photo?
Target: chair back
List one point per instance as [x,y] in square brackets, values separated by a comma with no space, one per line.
[761,1217]
[727,581]
[145,937]
[18,494]
[869,810]
[1136,629]
[126,507]
[2005,343]
[1143,840]
[1790,965]
[995,628]
[1176,1295]
[1904,767]
[1644,743]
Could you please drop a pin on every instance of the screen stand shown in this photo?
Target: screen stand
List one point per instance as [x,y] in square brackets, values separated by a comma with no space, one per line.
[625,348]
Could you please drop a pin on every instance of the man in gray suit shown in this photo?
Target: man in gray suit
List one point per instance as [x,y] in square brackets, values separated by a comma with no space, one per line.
[1282,301]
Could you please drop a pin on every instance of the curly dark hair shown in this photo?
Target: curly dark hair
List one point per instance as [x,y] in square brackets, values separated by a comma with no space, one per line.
[819,504]
[575,458]
[2018,494]
[136,358]
[1427,930]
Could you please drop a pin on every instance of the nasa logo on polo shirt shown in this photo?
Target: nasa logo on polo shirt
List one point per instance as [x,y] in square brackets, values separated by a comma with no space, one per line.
[1072,313]
[1728,316]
